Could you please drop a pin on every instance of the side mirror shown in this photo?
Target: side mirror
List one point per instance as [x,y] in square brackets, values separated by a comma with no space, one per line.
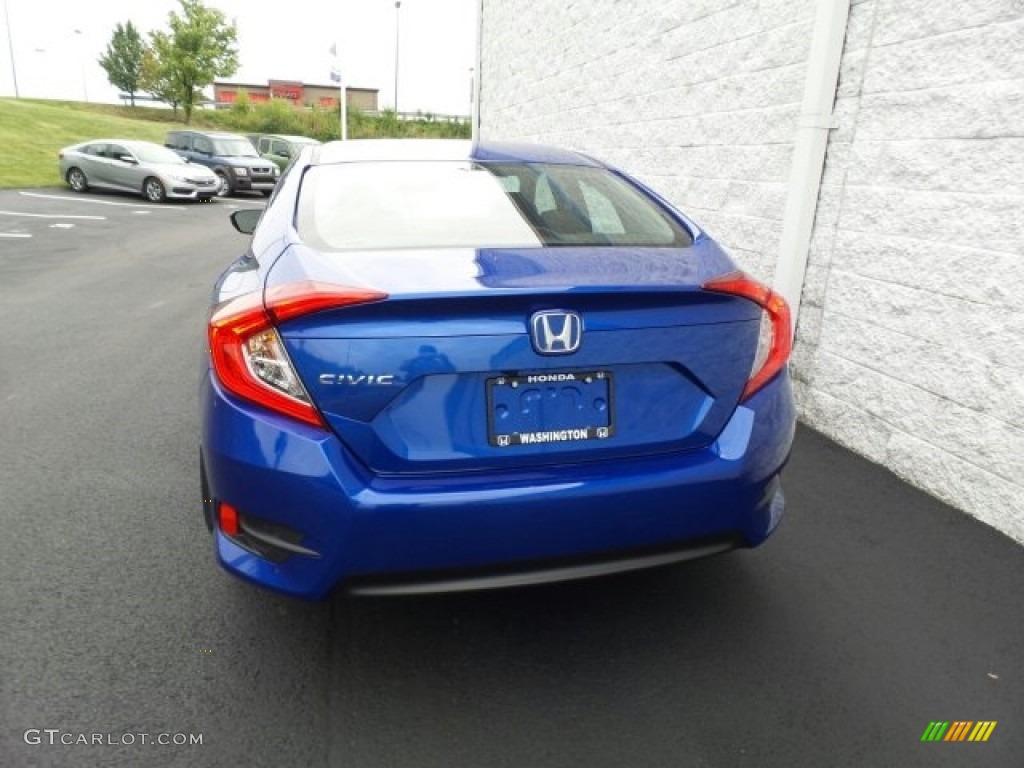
[246,219]
[285,152]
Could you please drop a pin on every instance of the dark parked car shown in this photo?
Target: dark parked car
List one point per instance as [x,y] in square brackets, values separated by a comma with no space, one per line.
[232,157]
[444,366]
[135,166]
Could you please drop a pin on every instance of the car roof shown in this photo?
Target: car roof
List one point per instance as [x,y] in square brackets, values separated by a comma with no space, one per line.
[125,142]
[212,134]
[369,150]
[285,136]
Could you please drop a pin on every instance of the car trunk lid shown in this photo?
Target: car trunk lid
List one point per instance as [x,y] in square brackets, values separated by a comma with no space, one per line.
[448,373]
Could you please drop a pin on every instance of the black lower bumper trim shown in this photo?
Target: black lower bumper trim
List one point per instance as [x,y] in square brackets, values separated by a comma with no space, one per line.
[538,573]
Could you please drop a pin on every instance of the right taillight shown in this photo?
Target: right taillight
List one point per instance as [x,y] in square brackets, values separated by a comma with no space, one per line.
[774,341]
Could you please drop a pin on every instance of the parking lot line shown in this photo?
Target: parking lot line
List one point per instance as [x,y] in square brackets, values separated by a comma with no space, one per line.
[51,215]
[78,199]
[14,234]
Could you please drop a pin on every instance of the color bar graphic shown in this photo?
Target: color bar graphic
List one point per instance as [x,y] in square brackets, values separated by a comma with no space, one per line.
[958,730]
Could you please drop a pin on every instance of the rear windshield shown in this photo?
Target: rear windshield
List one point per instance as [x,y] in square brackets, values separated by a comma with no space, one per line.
[383,205]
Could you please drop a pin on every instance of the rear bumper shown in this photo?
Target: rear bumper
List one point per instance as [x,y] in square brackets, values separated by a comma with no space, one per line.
[376,534]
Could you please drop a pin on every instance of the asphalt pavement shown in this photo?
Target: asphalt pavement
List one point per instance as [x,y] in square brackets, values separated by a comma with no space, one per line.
[874,611]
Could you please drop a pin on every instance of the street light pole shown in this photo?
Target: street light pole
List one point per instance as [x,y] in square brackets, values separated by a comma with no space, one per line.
[81,58]
[10,47]
[398,5]
[344,108]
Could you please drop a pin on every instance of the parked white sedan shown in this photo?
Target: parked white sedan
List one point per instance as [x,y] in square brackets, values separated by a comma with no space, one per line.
[153,171]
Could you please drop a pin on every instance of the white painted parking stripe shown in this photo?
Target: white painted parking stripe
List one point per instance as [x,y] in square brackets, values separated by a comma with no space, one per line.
[78,199]
[13,234]
[51,215]
[62,225]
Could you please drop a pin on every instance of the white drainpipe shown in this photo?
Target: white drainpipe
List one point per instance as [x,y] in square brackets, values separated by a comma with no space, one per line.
[809,149]
[478,74]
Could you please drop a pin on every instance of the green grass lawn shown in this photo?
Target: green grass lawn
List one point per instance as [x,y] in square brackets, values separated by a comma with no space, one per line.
[33,131]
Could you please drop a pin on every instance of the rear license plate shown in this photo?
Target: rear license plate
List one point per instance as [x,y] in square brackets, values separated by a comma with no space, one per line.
[549,407]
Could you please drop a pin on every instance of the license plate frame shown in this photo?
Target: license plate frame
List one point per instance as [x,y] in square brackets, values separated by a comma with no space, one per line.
[550,407]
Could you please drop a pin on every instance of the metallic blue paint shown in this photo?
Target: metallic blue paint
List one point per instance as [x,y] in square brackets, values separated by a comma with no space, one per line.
[403,479]
[370,525]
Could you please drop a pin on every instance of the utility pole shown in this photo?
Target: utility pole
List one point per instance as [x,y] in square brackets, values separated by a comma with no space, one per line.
[10,47]
[398,6]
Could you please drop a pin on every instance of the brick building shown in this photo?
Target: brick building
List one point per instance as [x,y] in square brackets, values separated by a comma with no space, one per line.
[300,94]
[910,337]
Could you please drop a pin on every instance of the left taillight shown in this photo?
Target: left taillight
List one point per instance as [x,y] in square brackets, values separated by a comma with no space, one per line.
[248,355]
[774,341]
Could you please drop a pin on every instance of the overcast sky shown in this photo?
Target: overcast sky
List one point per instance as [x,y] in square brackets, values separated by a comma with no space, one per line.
[286,40]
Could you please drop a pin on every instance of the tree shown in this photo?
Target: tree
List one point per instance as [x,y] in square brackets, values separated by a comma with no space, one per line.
[123,59]
[241,106]
[199,48]
[157,79]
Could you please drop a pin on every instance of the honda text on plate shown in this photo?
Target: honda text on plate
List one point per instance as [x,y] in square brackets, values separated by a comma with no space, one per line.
[444,366]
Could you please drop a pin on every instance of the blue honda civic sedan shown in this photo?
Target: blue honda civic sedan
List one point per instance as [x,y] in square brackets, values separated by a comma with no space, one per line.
[443,365]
